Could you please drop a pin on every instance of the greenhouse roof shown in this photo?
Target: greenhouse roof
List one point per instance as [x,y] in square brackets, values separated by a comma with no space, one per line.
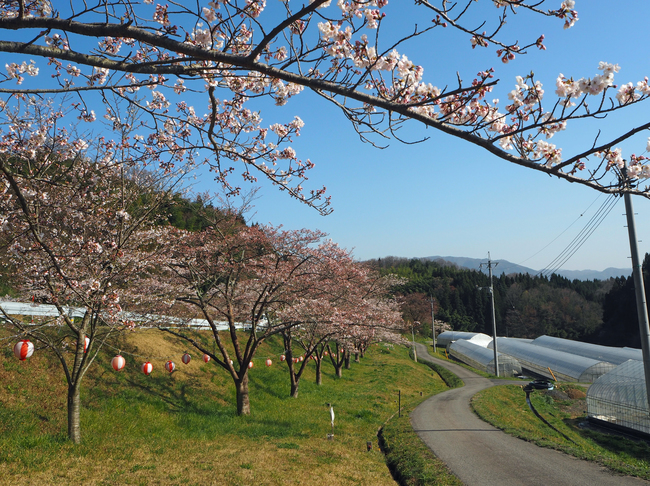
[539,359]
[478,353]
[601,353]
[448,337]
[624,385]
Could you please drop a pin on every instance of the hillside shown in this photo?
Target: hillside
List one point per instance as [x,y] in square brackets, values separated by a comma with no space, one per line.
[182,428]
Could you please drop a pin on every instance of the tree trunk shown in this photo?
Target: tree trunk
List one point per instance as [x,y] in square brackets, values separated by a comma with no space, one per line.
[74,409]
[347,360]
[339,370]
[294,388]
[319,372]
[243,403]
[356,357]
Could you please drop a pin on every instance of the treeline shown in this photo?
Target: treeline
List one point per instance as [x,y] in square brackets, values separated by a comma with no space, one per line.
[599,311]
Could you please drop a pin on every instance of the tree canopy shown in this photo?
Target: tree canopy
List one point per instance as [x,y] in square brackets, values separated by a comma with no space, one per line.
[231,54]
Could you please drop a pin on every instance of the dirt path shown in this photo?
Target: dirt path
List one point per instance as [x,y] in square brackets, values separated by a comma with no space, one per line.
[482,455]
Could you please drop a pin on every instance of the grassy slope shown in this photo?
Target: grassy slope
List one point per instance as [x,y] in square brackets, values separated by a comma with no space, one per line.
[505,407]
[182,428]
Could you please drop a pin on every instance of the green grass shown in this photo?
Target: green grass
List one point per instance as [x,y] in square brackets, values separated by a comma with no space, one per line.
[183,429]
[505,407]
[412,462]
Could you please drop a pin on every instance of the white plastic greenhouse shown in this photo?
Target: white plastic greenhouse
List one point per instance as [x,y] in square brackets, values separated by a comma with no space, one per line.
[593,351]
[619,398]
[482,358]
[564,366]
[446,338]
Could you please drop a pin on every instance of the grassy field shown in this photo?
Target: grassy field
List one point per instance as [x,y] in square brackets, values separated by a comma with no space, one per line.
[505,407]
[182,428]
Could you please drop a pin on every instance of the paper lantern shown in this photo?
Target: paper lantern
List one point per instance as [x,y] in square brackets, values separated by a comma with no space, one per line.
[147,368]
[118,362]
[326,353]
[170,366]
[206,358]
[269,362]
[86,343]
[186,358]
[301,358]
[23,349]
[282,357]
[250,364]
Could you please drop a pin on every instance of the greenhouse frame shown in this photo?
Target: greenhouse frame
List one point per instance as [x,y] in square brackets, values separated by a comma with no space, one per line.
[594,351]
[482,358]
[564,366]
[619,398]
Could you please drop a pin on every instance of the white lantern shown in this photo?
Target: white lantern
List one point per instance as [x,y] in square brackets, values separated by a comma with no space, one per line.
[118,363]
[147,368]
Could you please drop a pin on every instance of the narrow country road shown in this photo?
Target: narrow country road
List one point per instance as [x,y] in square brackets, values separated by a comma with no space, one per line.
[481,455]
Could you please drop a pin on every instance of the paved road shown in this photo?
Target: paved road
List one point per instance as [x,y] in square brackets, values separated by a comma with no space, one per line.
[481,455]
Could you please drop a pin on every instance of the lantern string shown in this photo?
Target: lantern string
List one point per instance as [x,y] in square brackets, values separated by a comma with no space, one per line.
[167,358]
[20,335]
[147,357]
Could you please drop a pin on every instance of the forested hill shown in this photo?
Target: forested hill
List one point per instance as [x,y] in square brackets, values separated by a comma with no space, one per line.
[600,311]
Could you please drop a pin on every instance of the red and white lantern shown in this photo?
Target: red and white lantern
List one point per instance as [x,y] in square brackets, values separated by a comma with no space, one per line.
[301,358]
[269,362]
[23,349]
[206,358]
[282,357]
[170,366]
[86,343]
[250,364]
[118,363]
[186,358]
[147,368]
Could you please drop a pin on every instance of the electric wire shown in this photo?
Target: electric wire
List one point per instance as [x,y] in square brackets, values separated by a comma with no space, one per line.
[565,230]
[581,238]
[612,203]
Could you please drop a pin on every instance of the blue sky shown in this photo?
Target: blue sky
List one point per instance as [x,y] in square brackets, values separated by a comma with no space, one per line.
[447,197]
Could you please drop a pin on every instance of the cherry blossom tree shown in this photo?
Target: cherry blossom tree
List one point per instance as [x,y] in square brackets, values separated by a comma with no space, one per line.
[348,307]
[75,216]
[239,276]
[230,55]
[323,314]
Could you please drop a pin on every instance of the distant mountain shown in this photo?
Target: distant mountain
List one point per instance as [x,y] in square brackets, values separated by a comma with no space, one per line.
[504,266]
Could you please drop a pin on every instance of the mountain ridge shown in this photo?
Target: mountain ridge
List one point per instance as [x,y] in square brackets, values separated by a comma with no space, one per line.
[504,266]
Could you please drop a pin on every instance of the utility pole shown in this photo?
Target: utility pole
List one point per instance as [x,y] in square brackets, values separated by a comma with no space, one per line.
[639,288]
[433,326]
[415,351]
[494,321]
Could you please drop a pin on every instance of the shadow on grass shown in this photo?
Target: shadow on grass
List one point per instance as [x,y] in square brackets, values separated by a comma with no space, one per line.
[612,440]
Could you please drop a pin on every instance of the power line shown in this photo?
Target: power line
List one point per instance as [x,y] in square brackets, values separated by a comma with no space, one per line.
[565,230]
[581,238]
